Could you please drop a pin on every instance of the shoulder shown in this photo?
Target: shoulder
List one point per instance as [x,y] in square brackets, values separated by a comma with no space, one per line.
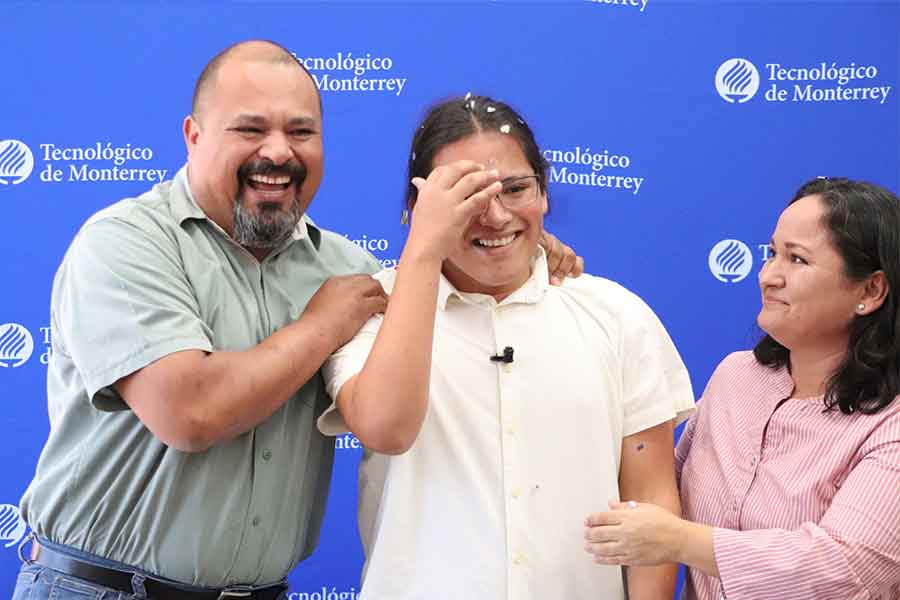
[595,289]
[741,382]
[605,298]
[147,215]
[135,235]
[740,366]
[885,424]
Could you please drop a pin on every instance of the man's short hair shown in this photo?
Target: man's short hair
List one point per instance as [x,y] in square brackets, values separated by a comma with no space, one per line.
[278,55]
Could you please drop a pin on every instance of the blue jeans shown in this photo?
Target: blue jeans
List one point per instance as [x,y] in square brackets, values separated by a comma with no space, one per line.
[36,582]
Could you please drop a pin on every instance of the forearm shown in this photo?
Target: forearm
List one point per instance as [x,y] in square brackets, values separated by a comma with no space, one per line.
[224,394]
[390,396]
[653,582]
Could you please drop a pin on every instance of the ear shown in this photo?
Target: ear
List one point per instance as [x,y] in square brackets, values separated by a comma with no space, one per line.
[191,131]
[874,291]
[545,205]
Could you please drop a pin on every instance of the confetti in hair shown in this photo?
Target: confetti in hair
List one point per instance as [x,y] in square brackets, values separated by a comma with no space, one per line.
[469,104]
[504,128]
[490,109]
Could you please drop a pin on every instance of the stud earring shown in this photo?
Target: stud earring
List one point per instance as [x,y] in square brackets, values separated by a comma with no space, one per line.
[860,307]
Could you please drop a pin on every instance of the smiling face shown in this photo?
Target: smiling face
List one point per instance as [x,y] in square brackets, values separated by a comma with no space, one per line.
[255,148]
[807,299]
[494,255]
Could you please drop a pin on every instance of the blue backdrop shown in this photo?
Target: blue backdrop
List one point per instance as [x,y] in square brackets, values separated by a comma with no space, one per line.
[676,130]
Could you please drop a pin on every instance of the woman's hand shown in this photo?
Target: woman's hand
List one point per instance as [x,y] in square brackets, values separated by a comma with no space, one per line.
[447,202]
[633,533]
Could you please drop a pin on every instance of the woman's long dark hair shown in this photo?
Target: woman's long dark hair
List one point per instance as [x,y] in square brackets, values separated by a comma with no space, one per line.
[864,222]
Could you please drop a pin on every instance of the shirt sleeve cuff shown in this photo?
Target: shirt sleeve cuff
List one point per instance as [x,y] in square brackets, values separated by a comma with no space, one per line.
[651,418]
[728,553]
[99,383]
[331,422]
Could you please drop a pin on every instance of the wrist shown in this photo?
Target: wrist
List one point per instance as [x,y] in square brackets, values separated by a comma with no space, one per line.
[424,258]
[312,332]
[681,540]
[694,544]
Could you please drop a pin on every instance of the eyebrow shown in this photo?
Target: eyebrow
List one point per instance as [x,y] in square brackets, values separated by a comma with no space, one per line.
[260,120]
[513,178]
[790,245]
[302,121]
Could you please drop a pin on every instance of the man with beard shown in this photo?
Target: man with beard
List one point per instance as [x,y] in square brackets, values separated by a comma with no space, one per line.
[189,325]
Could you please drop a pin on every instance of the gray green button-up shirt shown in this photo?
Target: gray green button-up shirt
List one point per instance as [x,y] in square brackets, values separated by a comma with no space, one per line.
[144,278]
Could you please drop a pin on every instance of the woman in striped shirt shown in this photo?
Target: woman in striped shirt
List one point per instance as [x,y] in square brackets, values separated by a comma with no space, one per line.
[789,471]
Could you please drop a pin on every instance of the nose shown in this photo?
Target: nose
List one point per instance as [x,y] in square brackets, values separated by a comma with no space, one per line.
[770,275]
[276,148]
[495,215]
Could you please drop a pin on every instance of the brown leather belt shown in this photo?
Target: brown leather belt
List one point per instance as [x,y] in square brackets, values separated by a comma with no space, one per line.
[156,589]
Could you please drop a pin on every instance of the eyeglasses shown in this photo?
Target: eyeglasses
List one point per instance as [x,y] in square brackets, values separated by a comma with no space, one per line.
[519,191]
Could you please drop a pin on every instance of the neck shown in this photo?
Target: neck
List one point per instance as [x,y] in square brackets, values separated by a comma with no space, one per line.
[464,283]
[812,368]
[259,253]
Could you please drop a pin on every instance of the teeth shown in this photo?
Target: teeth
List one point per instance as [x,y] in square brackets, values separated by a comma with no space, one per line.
[281,180]
[497,242]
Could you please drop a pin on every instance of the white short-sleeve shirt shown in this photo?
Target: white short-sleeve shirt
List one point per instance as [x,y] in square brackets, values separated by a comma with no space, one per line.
[490,501]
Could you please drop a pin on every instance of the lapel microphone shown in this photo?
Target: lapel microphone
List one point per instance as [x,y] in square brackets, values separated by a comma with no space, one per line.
[506,357]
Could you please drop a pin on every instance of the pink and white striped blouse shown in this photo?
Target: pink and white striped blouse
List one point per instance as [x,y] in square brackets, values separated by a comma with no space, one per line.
[805,503]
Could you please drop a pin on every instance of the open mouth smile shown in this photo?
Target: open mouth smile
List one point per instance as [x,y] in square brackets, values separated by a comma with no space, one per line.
[269,183]
[495,242]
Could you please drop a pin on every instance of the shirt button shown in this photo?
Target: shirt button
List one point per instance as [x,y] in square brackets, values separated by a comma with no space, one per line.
[267,454]
[510,431]
[515,493]
[753,461]
[256,521]
[507,367]
[517,559]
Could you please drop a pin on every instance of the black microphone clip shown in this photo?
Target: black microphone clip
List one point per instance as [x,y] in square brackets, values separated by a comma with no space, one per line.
[506,357]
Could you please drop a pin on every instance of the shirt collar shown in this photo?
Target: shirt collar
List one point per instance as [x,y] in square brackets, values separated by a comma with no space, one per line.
[184,207]
[182,201]
[531,292]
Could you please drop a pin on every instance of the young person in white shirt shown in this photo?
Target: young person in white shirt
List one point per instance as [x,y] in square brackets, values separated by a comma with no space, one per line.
[497,410]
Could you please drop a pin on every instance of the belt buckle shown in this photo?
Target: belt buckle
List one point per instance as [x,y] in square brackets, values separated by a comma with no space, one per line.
[236,591]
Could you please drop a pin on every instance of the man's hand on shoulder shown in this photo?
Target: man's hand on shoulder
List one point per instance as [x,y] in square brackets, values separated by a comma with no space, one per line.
[562,261]
[343,304]
[193,400]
